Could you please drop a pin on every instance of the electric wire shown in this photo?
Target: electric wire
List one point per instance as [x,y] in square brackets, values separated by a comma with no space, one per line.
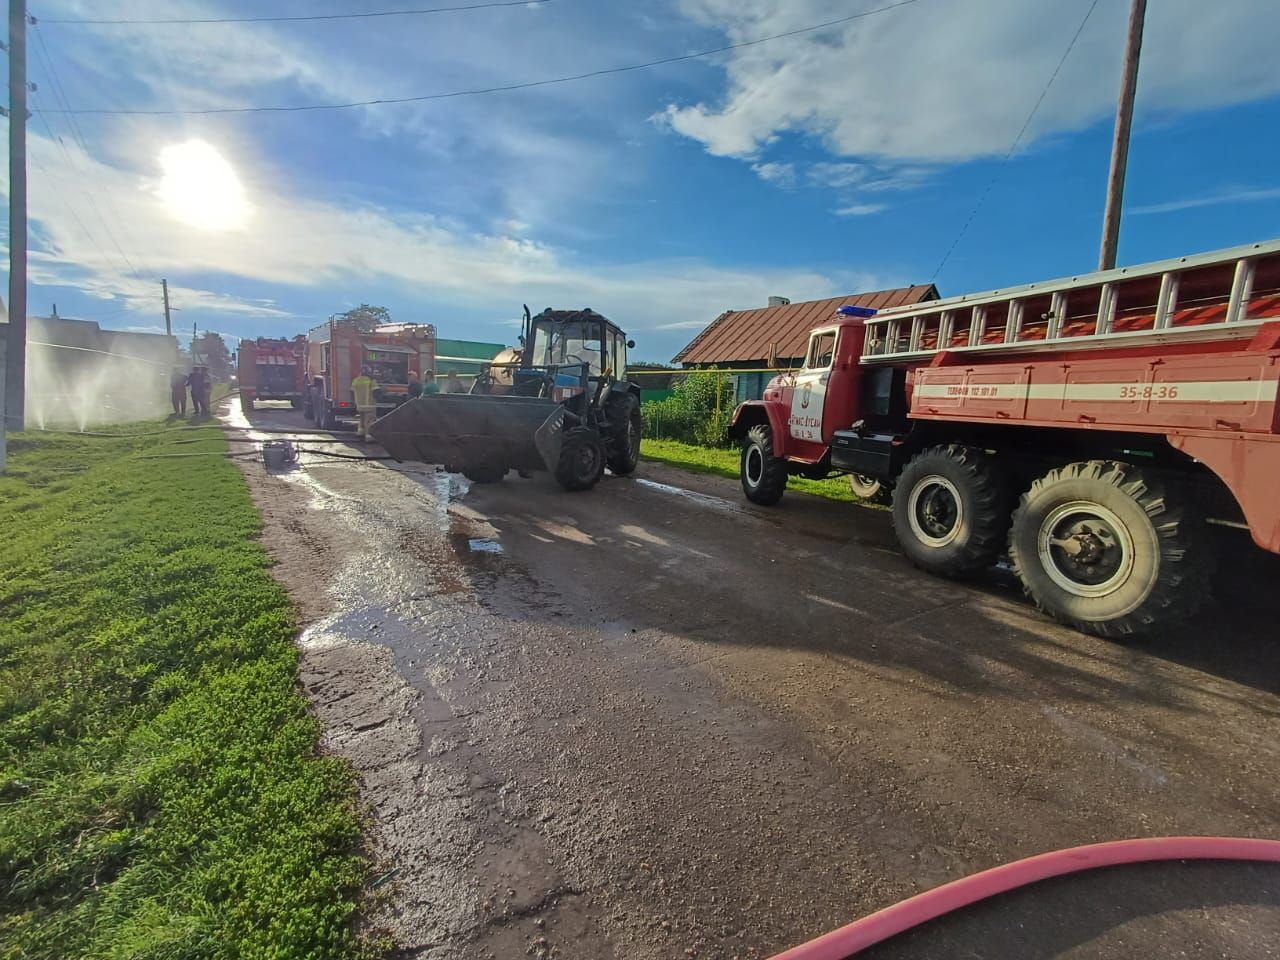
[503,88]
[60,95]
[1013,146]
[303,17]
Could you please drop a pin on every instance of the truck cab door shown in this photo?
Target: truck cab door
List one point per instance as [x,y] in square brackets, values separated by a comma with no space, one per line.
[809,399]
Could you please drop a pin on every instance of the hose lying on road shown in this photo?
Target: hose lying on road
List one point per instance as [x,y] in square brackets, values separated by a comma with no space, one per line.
[914,911]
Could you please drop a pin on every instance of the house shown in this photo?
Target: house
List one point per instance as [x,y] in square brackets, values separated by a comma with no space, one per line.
[747,339]
[464,357]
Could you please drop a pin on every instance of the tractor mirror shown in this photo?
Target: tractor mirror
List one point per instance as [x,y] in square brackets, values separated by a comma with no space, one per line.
[631,344]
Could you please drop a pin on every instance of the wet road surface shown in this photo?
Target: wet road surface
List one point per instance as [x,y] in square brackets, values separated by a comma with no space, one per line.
[653,721]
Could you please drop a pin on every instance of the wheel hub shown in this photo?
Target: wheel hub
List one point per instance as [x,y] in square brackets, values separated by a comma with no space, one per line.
[935,511]
[1085,548]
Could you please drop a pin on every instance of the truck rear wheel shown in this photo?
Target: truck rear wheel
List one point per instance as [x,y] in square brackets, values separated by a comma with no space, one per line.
[869,489]
[951,511]
[624,440]
[1103,548]
[581,462]
[764,476]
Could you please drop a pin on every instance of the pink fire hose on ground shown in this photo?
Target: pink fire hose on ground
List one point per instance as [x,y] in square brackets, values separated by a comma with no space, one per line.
[914,911]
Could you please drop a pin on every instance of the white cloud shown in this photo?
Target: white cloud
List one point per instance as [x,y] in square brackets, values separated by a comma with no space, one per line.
[1213,200]
[302,242]
[860,209]
[779,174]
[953,81]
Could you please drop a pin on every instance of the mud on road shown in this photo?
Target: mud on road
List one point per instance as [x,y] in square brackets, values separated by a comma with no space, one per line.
[653,721]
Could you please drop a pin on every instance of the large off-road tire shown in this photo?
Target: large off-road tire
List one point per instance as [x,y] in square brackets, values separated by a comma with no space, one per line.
[485,473]
[951,510]
[623,447]
[582,458]
[308,406]
[1107,549]
[870,490]
[764,476]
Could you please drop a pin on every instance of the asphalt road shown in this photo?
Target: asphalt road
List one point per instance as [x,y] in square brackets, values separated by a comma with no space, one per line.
[654,721]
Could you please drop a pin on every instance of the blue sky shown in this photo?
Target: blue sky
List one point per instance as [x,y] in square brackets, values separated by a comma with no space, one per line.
[820,164]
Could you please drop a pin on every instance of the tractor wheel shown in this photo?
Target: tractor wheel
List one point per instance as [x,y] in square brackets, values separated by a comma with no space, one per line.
[951,511]
[764,476]
[624,439]
[1107,550]
[484,473]
[581,459]
[870,490]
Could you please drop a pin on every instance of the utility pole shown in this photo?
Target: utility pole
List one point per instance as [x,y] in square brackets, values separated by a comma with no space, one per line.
[15,354]
[168,323]
[1120,149]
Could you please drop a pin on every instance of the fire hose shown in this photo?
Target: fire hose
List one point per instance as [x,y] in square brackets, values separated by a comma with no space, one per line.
[910,913]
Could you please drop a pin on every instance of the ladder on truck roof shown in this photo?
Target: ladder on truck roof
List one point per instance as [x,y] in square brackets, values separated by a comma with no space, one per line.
[1226,294]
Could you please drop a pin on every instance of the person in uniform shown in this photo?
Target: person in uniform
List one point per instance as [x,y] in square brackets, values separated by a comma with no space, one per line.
[364,389]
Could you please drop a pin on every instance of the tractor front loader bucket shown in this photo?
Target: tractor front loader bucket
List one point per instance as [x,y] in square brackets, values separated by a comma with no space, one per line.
[473,432]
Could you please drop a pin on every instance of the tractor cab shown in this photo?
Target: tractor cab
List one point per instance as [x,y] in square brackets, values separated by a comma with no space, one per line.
[569,345]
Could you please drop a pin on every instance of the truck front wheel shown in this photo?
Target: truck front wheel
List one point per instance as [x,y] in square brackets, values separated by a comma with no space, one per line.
[581,459]
[869,489]
[951,511]
[764,476]
[1103,548]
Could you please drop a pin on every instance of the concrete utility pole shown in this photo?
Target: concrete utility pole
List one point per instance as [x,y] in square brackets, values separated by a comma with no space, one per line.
[168,323]
[1120,149]
[13,394]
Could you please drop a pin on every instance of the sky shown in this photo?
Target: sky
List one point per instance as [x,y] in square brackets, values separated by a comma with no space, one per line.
[873,153]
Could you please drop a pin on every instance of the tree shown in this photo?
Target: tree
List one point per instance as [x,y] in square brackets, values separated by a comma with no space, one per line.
[211,350]
[365,317]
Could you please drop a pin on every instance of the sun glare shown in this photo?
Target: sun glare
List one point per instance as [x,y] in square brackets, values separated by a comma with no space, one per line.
[201,188]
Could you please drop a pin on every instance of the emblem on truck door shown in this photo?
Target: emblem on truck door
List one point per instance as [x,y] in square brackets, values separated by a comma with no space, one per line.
[804,396]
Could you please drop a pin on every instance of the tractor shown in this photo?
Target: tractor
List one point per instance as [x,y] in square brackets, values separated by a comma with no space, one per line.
[560,402]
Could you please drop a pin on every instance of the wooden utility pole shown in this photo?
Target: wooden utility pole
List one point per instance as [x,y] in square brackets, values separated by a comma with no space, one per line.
[1120,148]
[168,323]
[15,354]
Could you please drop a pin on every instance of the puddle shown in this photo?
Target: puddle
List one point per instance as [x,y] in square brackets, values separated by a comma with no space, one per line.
[484,546]
[702,499]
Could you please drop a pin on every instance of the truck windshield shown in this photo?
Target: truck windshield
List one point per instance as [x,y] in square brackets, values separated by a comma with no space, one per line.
[561,343]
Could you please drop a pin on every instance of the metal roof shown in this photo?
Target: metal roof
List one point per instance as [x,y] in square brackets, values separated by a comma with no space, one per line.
[738,335]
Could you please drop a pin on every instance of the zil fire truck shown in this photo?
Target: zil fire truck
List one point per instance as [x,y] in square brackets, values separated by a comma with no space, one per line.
[271,369]
[1090,427]
[336,353]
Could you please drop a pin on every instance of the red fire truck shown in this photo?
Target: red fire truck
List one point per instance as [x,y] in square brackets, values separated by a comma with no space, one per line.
[336,352]
[271,369]
[1091,427]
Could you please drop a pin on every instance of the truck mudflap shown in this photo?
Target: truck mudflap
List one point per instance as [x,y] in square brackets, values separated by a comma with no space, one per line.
[474,432]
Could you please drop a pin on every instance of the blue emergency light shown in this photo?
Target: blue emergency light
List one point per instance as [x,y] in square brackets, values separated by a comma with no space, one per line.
[849,310]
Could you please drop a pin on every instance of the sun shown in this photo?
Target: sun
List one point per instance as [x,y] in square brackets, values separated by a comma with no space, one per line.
[201,188]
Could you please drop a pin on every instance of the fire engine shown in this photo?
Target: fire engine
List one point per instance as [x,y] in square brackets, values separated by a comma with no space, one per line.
[271,369]
[1090,428]
[336,353]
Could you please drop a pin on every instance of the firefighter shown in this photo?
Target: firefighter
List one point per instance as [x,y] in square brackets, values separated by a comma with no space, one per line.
[364,389]
[196,382]
[178,392]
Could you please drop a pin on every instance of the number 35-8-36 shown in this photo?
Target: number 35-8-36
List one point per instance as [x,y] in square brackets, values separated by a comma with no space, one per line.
[1165,392]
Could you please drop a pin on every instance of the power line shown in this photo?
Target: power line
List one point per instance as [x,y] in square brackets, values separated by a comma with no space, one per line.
[322,16]
[505,87]
[78,134]
[1013,146]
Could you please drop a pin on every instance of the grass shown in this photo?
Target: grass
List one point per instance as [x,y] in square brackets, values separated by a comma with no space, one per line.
[160,790]
[724,463]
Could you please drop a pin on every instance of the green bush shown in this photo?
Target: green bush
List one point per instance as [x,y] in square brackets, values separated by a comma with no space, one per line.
[698,411]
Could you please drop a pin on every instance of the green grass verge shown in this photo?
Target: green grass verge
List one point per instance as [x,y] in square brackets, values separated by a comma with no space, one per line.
[160,790]
[724,463]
